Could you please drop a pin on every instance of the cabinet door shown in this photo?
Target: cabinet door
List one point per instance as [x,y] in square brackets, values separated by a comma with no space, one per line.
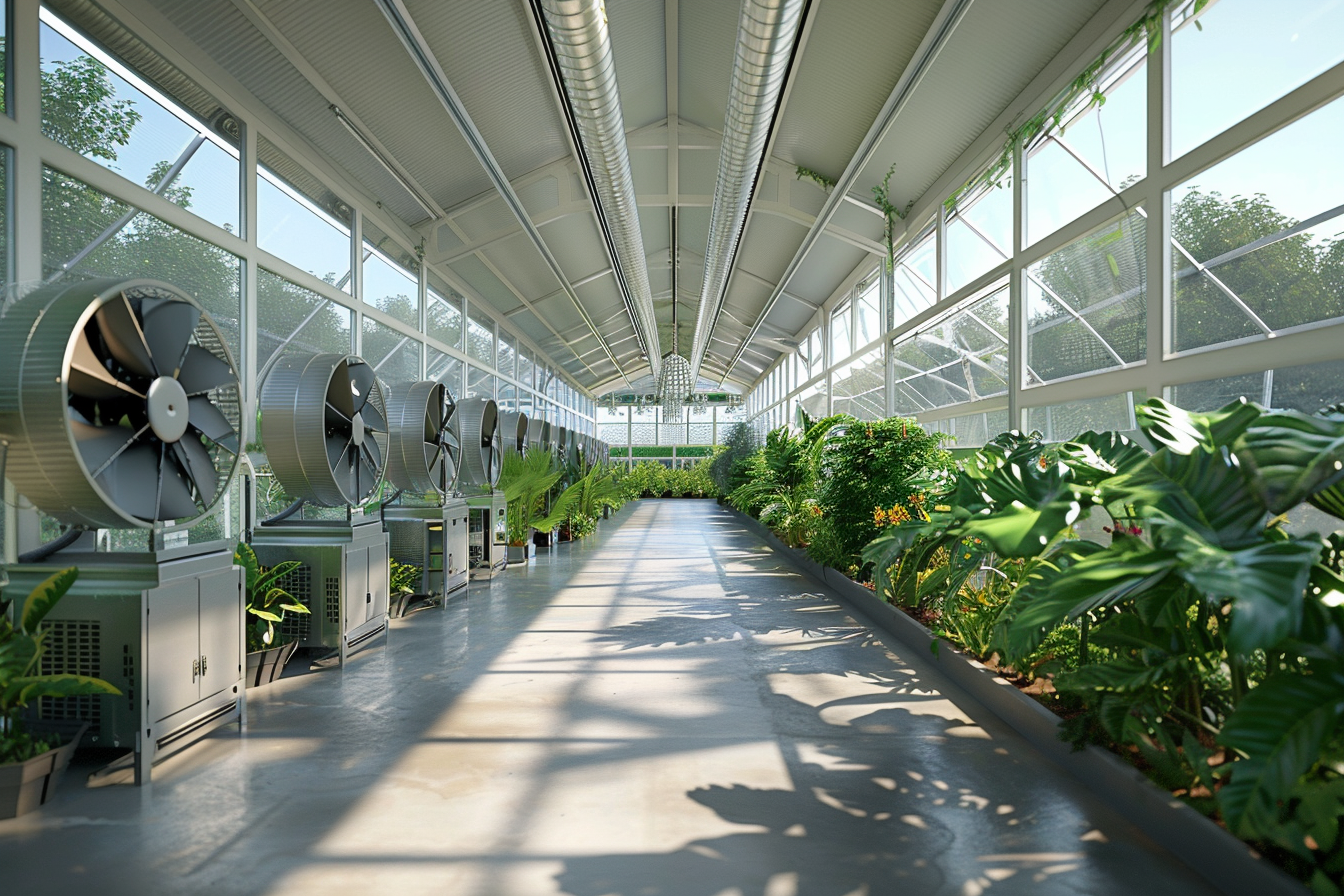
[378,581]
[355,611]
[221,630]
[172,670]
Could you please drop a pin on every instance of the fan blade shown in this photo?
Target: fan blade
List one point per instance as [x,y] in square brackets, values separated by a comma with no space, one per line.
[203,371]
[210,422]
[175,501]
[375,454]
[433,456]
[369,477]
[373,418]
[89,378]
[362,379]
[437,412]
[335,419]
[124,338]
[131,481]
[98,444]
[168,328]
[336,448]
[195,460]
[339,395]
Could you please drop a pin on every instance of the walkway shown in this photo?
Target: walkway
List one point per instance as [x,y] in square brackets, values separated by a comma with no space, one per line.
[664,710]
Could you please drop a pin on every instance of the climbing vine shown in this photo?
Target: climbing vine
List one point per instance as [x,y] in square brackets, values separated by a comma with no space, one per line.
[890,213]
[821,180]
[1148,28]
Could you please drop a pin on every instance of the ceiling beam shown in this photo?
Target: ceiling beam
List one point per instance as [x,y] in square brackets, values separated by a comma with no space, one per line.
[672,41]
[418,48]
[939,33]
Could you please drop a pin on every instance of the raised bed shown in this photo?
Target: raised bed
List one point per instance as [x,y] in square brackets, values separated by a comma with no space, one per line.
[1209,850]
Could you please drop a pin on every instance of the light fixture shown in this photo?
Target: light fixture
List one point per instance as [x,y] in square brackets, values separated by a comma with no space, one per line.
[674,385]
[383,160]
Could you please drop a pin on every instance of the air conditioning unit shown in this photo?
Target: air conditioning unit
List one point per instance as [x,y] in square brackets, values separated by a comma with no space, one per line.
[427,522]
[120,402]
[324,426]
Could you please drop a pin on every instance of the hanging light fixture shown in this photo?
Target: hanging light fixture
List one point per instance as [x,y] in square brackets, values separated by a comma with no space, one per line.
[674,385]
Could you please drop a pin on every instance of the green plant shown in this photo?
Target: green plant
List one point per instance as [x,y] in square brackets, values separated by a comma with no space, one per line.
[267,601]
[526,480]
[729,466]
[403,578]
[890,213]
[821,180]
[22,647]
[864,466]
[581,504]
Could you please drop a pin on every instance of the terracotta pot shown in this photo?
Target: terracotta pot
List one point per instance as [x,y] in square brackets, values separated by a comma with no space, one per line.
[265,666]
[26,785]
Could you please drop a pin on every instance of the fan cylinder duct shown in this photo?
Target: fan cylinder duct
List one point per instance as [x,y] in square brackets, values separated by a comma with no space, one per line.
[477,425]
[513,430]
[120,401]
[765,37]
[324,424]
[423,453]
[538,432]
[582,45]
[561,443]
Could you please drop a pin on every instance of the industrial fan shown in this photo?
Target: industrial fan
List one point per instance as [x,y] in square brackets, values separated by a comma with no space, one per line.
[561,438]
[120,405]
[478,429]
[120,401]
[513,430]
[426,525]
[423,448]
[538,431]
[324,425]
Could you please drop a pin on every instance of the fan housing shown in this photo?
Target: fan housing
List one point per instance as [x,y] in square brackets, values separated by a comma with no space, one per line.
[423,450]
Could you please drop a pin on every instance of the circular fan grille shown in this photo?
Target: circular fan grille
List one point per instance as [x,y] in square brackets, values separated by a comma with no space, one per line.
[513,429]
[324,425]
[121,402]
[477,424]
[423,450]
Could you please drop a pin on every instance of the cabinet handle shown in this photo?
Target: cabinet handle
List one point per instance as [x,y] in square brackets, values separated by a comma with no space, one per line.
[195,668]
[202,665]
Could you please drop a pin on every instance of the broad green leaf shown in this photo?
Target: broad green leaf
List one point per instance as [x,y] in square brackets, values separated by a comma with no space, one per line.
[265,614]
[1281,726]
[45,596]
[1291,456]
[1184,432]
[32,687]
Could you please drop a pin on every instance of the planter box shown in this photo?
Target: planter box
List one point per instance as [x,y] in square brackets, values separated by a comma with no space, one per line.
[265,666]
[521,553]
[26,785]
[1209,850]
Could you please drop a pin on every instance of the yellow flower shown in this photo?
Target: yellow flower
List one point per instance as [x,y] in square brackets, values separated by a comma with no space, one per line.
[879,516]
[898,514]
[917,498]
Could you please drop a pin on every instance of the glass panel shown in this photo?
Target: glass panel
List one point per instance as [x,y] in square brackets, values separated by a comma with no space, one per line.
[297,319]
[963,357]
[868,314]
[394,355]
[507,355]
[1061,422]
[4,109]
[479,383]
[444,313]
[971,430]
[104,111]
[813,400]
[444,369]
[1087,306]
[643,427]
[525,366]
[1306,388]
[481,338]
[113,239]
[4,213]
[507,396]
[859,388]
[390,288]
[915,276]
[1238,56]
[299,220]
[979,233]
[1098,150]
[1256,239]
[840,343]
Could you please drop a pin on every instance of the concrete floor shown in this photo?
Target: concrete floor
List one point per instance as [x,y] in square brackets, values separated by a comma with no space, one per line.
[664,710]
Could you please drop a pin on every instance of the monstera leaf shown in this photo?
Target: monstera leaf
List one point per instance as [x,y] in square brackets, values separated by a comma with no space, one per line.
[1291,456]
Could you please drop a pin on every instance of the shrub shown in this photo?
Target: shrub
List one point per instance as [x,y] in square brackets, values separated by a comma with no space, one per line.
[729,467]
[866,466]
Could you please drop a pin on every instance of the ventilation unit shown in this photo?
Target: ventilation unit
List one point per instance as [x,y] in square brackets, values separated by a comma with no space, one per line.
[426,522]
[120,405]
[477,426]
[324,428]
[513,431]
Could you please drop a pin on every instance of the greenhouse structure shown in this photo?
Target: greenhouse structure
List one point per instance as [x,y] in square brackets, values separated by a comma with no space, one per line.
[672,447]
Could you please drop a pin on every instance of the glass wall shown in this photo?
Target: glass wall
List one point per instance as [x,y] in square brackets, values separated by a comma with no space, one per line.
[1209,158]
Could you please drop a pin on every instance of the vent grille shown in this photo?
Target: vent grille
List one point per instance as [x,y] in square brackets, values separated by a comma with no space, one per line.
[73,648]
[299,583]
[333,594]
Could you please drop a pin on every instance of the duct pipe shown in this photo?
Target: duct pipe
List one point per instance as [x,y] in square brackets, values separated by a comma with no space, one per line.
[765,38]
[582,47]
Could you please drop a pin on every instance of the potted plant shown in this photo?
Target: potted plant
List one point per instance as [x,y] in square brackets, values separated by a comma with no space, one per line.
[31,763]
[526,480]
[402,582]
[582,502]
[267,604]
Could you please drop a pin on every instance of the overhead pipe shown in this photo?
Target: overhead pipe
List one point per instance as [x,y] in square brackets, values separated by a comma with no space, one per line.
[766,35]
[581,45]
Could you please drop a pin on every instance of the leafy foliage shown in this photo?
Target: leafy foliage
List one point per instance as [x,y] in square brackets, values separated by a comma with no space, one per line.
[403,578]
[728,469]
[526,481]
[267,601]
[21,680]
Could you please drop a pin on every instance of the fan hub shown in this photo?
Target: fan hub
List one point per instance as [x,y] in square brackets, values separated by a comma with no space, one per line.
[357,429]
[167,407]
